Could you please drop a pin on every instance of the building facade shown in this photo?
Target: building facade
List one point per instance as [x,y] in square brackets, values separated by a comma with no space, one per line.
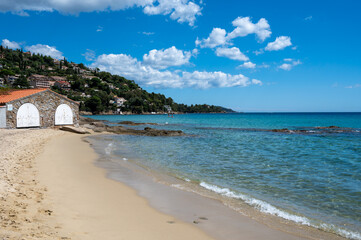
[37,108]
[41,81]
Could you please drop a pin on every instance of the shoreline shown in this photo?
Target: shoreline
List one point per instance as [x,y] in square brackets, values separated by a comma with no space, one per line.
[195,201]
[62,193]
[90,206]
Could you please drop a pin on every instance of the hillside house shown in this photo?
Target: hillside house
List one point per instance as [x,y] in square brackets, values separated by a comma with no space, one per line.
[41,81]
[119,101]
[37,108]
[65,85]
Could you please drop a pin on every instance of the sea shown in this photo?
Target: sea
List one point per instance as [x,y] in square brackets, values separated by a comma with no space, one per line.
[306,174]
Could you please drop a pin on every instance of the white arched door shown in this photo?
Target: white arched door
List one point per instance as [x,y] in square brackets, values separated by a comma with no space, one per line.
[63,115]
[27,116]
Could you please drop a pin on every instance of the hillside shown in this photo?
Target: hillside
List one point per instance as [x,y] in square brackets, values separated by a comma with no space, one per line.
[97,91]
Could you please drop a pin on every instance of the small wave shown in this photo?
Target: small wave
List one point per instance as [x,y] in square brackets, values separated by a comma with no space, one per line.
[268,208]
[125,159]
[109,149]
[179,186]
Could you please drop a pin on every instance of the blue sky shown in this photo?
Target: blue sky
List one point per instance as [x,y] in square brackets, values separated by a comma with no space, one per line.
[251,56]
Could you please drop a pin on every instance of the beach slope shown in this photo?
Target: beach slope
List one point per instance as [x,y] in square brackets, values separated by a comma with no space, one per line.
[87,205]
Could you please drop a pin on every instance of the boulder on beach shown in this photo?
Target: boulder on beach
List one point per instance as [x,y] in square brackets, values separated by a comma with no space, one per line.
[74,130]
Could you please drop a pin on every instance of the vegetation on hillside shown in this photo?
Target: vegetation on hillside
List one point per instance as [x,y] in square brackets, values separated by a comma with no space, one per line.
[95,90]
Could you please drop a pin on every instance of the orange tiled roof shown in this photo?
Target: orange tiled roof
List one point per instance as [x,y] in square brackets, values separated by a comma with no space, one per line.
[16,94]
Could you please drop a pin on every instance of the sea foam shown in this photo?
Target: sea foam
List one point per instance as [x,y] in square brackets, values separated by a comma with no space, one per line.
[268,208]
[109,149]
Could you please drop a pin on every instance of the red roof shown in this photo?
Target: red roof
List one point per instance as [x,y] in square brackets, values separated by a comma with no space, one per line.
[16,94]
[63,82]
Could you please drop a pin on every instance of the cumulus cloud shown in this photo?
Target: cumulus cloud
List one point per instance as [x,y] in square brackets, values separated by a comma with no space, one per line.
[216,38]
[231,53]
[10,44]
[289,64]
[45,50]
[279,44]
[161,59]
[180,10]
[248,65]
[131,68]
[244,27]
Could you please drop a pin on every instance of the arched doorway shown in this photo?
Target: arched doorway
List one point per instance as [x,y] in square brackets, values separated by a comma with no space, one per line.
[27,116]
[63,115]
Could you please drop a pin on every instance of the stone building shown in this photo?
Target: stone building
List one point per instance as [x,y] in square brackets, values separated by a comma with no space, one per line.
[37,108]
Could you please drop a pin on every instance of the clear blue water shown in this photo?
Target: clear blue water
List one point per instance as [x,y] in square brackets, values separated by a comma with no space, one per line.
[312,179]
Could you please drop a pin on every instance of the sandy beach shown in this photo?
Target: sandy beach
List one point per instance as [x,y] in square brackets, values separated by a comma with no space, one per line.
[51,189]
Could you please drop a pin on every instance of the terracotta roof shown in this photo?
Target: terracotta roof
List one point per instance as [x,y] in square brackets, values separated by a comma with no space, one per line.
[63,82]
[16,94]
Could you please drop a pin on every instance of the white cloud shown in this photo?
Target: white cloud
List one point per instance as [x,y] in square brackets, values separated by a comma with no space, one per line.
[195,52]
[248,65]
[231,53]
[216,38]
[288,59]
[308,18]
[45,50]
[180,10]
[354,86]
[161,59]
[258,52]
[148,33]
[99,29]
[257,82]
[10,44]
[289,65]
[279,44]
[131,68]
[244,27]
[89,55]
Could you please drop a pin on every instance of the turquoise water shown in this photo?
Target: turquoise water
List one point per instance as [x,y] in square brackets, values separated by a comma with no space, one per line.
[312,178]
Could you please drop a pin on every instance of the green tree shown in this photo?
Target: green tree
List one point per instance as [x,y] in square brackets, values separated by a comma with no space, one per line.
[94,104]
[21,82]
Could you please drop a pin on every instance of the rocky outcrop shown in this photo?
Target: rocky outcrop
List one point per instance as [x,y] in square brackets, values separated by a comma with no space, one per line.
[135,124]
[99,126]
[145,132]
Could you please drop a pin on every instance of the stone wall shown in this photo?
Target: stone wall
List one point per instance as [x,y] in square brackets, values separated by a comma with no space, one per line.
[46,102]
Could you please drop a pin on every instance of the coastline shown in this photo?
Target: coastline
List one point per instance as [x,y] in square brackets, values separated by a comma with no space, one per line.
[61,193]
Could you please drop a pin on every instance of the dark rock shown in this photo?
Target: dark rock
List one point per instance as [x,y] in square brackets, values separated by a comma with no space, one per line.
[330,127]
[98,124]
[99,129]
[284,130]
[135,124]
